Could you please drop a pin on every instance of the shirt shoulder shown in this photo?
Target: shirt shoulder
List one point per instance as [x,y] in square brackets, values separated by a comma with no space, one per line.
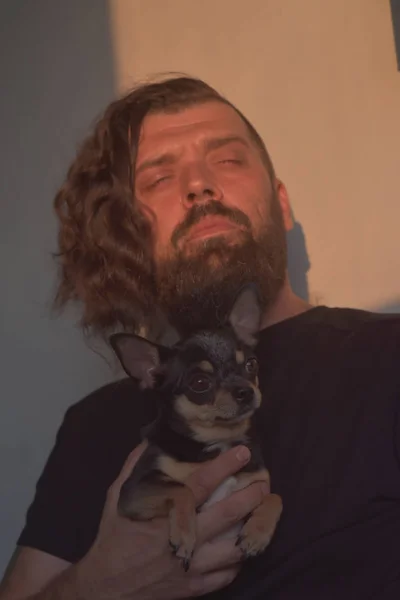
[364,331]
[91,446]
[112,405]
[335,326]
[357,319]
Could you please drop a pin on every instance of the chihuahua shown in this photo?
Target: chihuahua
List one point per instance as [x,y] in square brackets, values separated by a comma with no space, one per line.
[208,394]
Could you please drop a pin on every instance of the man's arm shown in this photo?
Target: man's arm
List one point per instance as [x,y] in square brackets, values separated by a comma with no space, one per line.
[28,572]
[130,559]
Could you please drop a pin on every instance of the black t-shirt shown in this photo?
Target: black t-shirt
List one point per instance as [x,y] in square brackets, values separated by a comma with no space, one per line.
[329,427]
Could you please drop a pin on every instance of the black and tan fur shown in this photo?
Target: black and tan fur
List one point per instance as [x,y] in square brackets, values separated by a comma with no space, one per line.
[209,393]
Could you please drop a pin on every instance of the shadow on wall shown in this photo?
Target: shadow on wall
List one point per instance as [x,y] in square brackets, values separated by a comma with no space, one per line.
[298,260]
[57,74]
[390,307]
[299,265]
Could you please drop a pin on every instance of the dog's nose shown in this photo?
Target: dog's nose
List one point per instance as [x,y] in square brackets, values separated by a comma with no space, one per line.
[244,394]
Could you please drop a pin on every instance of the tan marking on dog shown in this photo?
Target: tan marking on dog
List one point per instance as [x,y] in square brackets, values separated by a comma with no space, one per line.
[211,433]
[191,411]
[257,394]
[182,524]
[206,366]
[146,501]
[202,418]
[258,530]
[225,406]
[176,501]
[239,357]
[176,470]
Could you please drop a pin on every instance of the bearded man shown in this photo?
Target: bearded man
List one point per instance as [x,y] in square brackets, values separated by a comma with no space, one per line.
[170,207]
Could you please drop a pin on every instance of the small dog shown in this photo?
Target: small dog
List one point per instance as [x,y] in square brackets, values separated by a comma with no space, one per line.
[209,392]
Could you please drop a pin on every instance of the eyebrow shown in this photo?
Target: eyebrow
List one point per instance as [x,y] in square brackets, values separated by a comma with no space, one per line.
[168,158]
[158,161]
[220,142]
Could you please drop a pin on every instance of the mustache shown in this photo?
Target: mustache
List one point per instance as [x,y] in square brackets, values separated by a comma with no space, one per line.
[214,208]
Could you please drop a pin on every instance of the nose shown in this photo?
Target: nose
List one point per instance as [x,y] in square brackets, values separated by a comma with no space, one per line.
[244,394]
[199,185]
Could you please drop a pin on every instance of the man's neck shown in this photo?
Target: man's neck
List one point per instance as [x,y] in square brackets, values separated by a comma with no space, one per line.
[286,305]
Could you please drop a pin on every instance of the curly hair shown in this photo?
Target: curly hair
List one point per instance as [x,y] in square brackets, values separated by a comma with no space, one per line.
[104,242]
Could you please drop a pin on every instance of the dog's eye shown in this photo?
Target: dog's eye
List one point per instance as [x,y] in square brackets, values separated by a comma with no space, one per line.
[252,366]
[199,384]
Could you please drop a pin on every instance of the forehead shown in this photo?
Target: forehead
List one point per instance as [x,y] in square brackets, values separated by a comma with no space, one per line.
[218,348]
[194,123]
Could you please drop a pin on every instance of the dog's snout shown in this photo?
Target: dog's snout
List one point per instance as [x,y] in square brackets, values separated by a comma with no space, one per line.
[244,394]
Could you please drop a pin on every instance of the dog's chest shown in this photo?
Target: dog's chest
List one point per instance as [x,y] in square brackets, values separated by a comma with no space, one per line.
[179,471]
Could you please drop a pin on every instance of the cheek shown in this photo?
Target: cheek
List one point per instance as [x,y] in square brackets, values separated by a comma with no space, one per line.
[250,197]
[191,411]
[163,214]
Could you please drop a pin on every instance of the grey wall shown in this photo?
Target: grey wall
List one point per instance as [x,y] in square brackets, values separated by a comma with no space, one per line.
[56,75]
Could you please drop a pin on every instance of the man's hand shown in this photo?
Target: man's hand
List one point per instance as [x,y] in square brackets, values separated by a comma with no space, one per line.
[134,560]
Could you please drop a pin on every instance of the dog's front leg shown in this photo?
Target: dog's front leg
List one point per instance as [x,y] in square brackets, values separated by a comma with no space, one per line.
[182,522]
[260,526]
[174,500]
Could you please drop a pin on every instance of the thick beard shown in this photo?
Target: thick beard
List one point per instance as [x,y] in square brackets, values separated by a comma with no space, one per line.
[196,290]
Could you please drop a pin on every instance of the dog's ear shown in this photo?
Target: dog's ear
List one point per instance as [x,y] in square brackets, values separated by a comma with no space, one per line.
[245,316]
[139,357]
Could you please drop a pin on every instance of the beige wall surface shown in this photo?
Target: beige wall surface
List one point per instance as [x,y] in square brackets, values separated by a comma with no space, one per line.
[319,81]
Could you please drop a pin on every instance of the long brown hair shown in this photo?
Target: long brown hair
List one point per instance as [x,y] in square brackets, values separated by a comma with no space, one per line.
[104,256]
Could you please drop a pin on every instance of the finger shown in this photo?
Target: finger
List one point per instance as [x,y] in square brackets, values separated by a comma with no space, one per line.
[114,490]
[204,584]
[209,476]
[222,515]
[214,556]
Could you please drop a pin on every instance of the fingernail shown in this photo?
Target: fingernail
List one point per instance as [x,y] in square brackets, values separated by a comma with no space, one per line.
[243,454]
[265,488]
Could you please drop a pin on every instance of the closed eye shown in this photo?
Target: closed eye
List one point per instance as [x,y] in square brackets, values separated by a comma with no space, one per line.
[235,161]
[156,182]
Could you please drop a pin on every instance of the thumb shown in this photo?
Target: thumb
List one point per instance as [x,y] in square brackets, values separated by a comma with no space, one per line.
[115,488]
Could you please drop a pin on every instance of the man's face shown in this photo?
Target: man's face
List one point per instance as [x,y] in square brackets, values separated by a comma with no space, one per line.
[215,215]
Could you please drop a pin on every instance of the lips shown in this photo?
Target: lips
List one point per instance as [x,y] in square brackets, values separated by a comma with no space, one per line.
[211,226]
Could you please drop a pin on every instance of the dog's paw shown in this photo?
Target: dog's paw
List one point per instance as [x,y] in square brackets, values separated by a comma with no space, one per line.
[182,539]
[258,530]
[252,540]
[183,547]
